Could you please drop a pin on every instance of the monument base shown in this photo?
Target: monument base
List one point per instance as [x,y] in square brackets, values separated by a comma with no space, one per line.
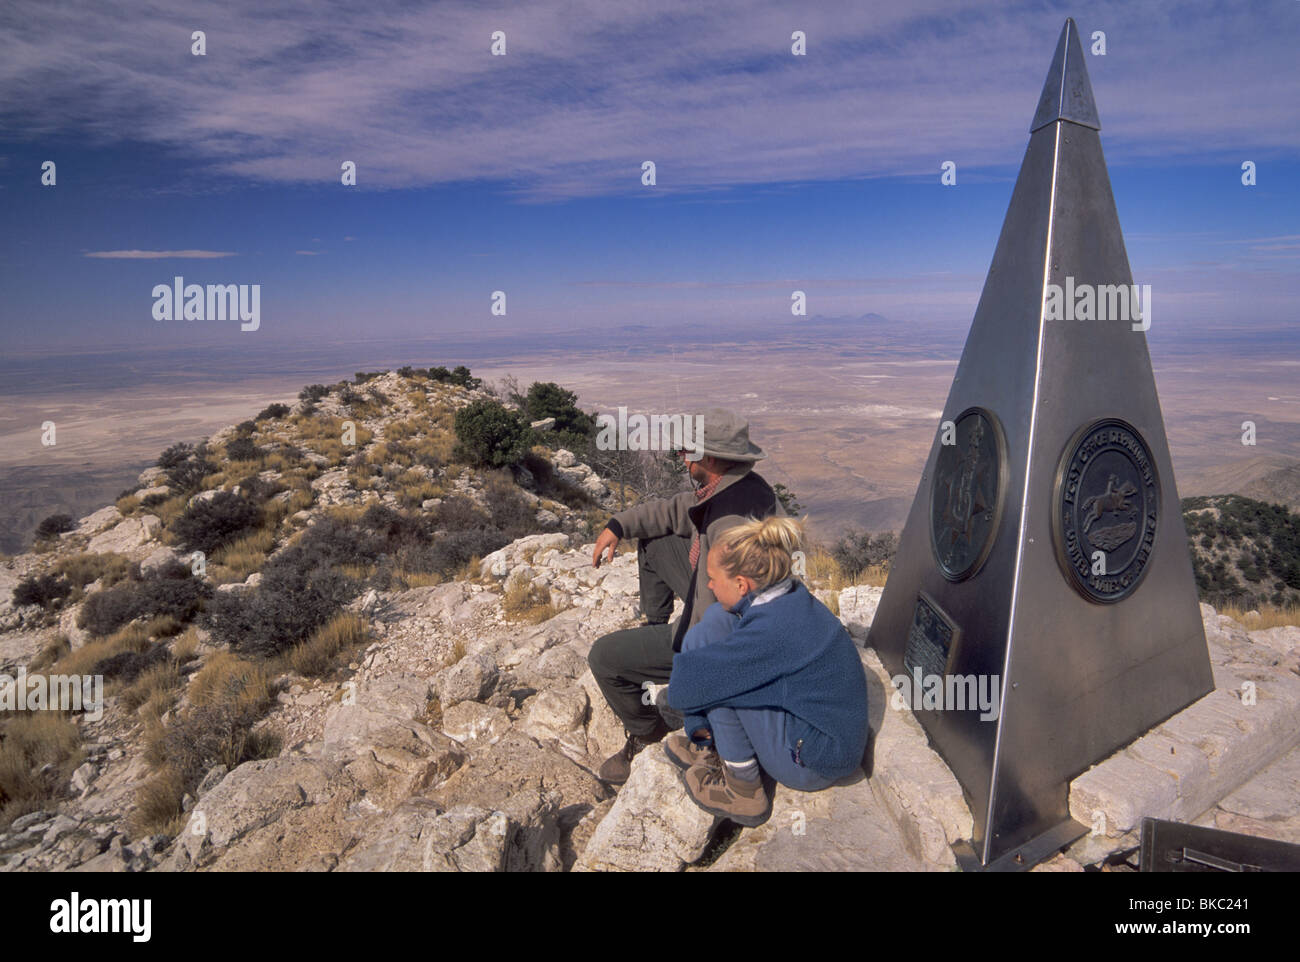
[1023,857]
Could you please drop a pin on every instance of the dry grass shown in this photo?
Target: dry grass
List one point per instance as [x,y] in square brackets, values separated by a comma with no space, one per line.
[274,511]
[186,646]
[825,572]
[132,637]
[527,603]
[242,557]
[81,569]
[171,509]
[128,505]
[1265,616]
[227,678]
[38,753]
[159,686]
[320,653]
[158,805]
[58,647]
[417,579]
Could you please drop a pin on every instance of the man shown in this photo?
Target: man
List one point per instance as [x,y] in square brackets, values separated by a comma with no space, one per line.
[673,538]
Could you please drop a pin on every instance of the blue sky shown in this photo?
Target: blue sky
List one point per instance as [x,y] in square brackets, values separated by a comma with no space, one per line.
[522,173]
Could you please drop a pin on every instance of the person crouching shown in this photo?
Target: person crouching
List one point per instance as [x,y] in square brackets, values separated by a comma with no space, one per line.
[768,679]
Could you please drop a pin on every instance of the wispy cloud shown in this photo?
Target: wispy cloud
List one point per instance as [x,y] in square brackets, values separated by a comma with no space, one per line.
[134,255]
[587,90]
[308,253]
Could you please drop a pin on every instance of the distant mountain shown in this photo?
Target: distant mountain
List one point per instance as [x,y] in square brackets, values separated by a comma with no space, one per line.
[1274,478]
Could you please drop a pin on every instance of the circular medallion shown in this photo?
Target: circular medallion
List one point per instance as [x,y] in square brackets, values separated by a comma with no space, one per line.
[1106,506]
[966,495]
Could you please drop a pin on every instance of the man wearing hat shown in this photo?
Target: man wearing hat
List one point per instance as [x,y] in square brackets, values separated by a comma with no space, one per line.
[673,538]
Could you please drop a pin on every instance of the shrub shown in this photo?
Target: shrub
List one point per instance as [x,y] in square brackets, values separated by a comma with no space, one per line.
[208,524]
[272,411]
[176,454]
[168,590]
[440,374]
[187,476]
[242,449]
[54,525]
[857,551]
[48,591]
[129,665]
[301,589]
[460,375]
[549,400]
[246,427]
[313,392]
[489,434]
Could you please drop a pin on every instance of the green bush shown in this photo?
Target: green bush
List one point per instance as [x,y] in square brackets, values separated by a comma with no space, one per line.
[313,392]
[48,591]
[549,400]
[169,589]
[208,524]
[272,411]
[490,435]
[54,525]
[174,455]
[242,449]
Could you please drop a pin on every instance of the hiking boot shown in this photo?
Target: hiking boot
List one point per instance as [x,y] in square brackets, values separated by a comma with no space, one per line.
[684,753]
[617,767]
[716,790]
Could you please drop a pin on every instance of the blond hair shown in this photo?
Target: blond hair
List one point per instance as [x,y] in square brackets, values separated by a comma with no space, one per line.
[760,549]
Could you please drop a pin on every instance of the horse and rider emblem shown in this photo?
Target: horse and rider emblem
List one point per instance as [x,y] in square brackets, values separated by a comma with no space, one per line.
[1106,509]
[966,496]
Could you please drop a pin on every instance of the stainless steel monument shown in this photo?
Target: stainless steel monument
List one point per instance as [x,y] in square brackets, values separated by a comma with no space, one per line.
[1045,547]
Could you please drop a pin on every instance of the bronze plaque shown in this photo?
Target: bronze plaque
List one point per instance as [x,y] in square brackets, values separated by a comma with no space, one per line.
[966,496]
[1107,505]
[930,639]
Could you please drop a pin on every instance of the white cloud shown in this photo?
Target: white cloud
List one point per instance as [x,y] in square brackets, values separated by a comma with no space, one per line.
[134,255]
[588,90]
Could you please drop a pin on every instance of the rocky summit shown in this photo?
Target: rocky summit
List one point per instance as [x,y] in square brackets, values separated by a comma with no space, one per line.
[438,713]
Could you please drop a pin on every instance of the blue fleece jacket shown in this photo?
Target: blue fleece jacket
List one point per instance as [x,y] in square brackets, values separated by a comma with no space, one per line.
[790,653]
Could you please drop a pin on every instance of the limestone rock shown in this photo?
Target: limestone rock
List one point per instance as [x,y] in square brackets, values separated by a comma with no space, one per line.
[472,678]
[470,721]
[653,825]
[128,536]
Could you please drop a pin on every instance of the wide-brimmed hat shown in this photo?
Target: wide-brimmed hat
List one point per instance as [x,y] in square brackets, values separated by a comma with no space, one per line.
[727,436]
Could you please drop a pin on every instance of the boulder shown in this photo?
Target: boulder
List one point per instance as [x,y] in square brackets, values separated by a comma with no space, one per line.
[472,678]
[653,825]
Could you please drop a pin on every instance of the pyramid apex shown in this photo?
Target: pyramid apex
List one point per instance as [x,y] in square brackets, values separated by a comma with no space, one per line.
[1067,94]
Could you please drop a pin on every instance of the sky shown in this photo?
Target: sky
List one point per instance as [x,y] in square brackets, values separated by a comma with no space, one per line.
[522,173]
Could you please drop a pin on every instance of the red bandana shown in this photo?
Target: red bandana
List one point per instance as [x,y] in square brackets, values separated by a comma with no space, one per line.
[700,495]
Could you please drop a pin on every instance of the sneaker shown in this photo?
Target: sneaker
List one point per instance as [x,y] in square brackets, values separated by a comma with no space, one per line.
[616,768]
[720,793]
[684,753]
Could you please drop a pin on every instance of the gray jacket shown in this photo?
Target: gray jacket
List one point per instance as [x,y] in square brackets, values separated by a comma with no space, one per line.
[741,494]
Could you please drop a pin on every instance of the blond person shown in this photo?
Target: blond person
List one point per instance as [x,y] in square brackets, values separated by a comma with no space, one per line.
[767,679]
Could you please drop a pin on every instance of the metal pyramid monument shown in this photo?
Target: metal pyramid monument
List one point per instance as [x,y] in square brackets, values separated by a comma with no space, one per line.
[1044,557]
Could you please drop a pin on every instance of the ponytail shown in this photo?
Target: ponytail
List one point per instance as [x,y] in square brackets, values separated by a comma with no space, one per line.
[760,549]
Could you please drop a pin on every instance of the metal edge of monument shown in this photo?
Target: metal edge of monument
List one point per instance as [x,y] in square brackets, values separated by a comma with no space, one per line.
[967,493]
[1115,517]
[1044,550]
